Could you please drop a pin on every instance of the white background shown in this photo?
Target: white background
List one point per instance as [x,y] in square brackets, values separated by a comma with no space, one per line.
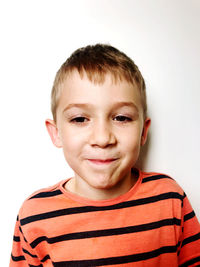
[161,36]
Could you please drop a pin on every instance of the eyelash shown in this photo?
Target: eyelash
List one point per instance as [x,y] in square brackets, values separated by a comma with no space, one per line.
[79,120]
[123,118]
[119,118]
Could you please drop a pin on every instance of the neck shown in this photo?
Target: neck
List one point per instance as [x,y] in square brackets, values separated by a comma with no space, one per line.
[79,187]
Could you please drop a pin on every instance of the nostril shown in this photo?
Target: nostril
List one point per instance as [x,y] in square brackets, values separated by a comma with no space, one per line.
[102,138]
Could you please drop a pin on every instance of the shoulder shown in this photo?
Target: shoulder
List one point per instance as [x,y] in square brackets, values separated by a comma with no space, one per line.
[46,192]
[160,182]
[40,201]
[162,193]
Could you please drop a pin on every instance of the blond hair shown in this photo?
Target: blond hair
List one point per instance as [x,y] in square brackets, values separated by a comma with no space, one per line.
[97,61]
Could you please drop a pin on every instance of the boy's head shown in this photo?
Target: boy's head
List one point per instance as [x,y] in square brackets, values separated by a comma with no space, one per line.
[99,110]
[97,61]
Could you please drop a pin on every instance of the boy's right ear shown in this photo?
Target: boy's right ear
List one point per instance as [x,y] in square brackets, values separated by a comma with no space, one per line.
[53,132]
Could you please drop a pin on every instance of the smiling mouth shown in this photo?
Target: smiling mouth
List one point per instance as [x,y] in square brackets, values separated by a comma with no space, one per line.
[101,161]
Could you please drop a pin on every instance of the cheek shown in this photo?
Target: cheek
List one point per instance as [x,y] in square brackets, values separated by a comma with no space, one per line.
[71,153]
[68,137]
[72,144]
[132,149]
[70,147]
[131,139]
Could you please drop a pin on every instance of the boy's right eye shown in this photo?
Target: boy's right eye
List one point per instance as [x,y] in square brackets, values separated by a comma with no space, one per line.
[79,120]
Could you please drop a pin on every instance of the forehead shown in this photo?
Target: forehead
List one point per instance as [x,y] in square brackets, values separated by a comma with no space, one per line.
[78,88]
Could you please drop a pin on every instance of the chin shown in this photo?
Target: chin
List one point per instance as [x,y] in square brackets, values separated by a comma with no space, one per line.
[103,184]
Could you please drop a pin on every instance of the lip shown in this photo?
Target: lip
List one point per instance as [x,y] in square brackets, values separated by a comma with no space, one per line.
[102,161]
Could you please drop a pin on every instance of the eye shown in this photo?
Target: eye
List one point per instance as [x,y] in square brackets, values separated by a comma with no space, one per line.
[79,120]
[122,118]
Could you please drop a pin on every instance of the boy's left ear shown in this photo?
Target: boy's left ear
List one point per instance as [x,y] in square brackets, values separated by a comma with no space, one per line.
[53,132]
[146,126]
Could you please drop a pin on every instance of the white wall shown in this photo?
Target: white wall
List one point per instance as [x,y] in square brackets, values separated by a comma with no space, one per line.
[162,37]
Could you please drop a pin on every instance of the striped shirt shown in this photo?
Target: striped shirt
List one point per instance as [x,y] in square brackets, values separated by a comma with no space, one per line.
[151,225]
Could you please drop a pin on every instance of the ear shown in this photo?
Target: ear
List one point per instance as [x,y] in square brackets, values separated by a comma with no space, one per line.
[146,126]
[53,132]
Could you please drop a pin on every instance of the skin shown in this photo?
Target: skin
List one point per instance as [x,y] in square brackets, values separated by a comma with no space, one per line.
[101,129]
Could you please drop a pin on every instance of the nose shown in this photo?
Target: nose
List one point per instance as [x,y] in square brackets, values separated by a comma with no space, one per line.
[102,135]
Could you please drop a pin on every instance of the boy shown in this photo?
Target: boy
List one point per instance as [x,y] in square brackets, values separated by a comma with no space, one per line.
[109,213]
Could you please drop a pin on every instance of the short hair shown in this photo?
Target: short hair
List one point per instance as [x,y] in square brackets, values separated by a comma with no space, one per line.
[97,61]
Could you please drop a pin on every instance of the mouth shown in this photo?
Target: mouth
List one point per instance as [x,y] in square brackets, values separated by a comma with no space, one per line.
[102,161]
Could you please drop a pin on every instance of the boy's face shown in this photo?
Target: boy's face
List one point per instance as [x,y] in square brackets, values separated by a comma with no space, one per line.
[100,128]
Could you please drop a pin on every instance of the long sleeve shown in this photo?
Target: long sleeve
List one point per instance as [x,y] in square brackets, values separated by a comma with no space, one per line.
[22,255]
[189,253]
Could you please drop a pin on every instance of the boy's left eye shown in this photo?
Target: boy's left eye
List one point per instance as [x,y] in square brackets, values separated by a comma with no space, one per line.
[122,118]
[79,120]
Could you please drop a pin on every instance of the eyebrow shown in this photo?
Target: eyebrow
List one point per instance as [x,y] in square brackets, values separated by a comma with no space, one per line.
[88,105]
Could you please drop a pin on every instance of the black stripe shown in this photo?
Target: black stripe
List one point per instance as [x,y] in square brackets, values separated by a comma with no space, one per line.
[18,258]
[117,260]
[190,262]
[155,177]
[20,229]
[38,240]
[190,239]
[30,265]
[77,210]
[47,257]
[106,232]
[184,196]
[178,248]
[189,216]
[47,194]
[16,238]
[27,252]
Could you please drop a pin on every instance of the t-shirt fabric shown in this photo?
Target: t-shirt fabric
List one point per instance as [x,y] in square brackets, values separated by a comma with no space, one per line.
[153,224]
